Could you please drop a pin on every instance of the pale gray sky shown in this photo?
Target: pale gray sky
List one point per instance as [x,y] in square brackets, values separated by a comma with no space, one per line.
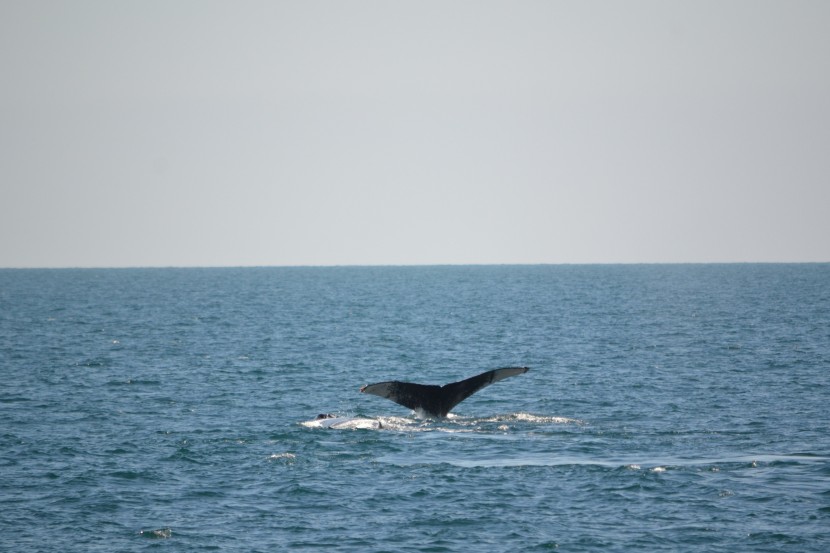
[390,132]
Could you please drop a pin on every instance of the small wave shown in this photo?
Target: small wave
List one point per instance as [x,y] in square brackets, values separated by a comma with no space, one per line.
[14,399]
[134,382]
[636,466]
[127,475]
[159,533]
[282,456]
[654,466]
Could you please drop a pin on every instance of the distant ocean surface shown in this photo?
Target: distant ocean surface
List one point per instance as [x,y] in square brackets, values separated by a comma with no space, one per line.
[668,408]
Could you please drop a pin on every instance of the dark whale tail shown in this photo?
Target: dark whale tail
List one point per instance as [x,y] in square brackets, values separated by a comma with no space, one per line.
[436,401]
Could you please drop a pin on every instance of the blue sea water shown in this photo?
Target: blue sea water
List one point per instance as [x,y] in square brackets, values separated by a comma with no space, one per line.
[668,408]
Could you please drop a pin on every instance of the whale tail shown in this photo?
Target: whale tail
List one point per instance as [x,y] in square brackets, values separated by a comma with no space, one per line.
[437,401]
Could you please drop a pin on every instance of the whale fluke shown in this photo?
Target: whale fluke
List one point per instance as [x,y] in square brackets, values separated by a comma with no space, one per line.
[436,401]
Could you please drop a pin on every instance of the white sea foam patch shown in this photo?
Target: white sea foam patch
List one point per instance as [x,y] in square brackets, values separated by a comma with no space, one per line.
[286,456]
[528,417]
[452,423]
[461,424]
[403,424]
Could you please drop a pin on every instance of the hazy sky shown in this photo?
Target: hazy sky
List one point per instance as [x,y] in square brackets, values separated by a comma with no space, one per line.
[143,133]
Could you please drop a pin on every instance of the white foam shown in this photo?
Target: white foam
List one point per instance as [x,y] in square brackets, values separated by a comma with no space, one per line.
[451,424]
[282,456]
[528,417]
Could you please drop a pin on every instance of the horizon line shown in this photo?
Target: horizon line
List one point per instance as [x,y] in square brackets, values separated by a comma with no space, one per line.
[399,265]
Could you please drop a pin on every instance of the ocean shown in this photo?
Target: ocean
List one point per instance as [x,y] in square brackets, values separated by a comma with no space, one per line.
[667,408]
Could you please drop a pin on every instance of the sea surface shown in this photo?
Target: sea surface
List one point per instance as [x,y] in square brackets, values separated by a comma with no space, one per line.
[667,408]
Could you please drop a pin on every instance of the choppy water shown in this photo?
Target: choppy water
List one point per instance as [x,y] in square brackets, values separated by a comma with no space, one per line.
[668,408]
